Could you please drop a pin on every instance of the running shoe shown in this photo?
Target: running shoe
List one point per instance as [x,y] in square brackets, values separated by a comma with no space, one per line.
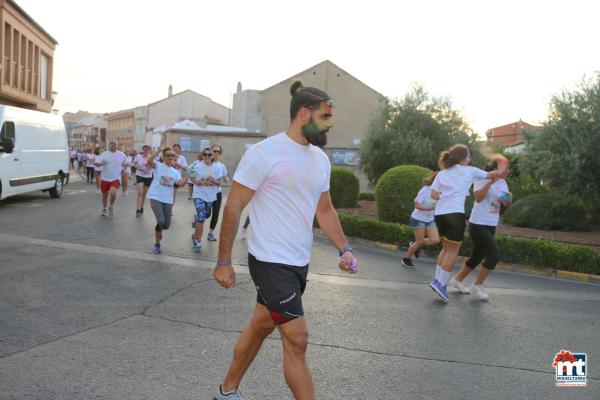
[197,244]
[138,213]
[462,288]
[439,289]
[218,395]
[110,211]
[104,212]
[211,237]
[407,263]
[479,293]
[156,249]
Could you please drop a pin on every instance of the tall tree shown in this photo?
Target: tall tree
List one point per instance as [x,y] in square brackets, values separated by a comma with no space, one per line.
[565,153]
[412,130]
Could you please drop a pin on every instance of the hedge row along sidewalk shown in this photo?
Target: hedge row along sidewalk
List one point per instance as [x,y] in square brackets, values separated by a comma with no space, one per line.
[540,256]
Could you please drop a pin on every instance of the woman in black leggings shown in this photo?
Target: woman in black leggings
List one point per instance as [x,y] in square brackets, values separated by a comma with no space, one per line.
[217,151]
[490,195]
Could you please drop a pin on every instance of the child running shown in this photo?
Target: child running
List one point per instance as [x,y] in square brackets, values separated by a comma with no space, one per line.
[490,195]
[422,222]
[450,189]
[166,180]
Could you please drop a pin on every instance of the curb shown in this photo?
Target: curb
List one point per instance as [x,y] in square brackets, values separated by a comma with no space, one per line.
[526,269]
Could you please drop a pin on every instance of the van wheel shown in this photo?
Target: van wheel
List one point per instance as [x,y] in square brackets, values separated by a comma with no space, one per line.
[57,190]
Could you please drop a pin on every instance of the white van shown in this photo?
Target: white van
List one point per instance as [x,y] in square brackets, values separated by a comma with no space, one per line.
[34,152]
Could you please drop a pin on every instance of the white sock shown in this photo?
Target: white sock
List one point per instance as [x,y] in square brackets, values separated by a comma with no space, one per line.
[437,272]
[444,277]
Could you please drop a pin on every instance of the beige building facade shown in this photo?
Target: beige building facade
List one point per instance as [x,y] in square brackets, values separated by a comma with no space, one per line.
[89,132]
[186,105]
[234,143]
[27,60]
[121,128]
[355,105]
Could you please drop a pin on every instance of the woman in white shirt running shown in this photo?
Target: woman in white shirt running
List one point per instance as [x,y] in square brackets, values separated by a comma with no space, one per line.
[166,180]
[490,195]
[450,189]
[143,178]
[422,222]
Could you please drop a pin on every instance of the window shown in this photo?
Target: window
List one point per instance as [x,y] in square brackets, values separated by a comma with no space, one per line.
[346,156]
[44,78]
[8,131]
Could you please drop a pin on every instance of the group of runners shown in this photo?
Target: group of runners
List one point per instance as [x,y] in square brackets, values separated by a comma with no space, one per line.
[158,175]
[440,212]
[284,180]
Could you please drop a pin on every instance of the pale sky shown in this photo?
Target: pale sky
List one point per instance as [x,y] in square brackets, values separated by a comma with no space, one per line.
[498,61]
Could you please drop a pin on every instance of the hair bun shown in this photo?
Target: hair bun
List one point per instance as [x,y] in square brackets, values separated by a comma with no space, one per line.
[295,88]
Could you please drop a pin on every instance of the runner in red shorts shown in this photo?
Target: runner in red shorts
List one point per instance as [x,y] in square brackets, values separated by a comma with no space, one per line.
[112,162]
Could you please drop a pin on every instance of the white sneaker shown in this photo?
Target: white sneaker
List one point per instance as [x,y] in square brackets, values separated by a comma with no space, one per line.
[460,286]
[104,212]
[110,211]
[97,191]
[479,293]
[237,395]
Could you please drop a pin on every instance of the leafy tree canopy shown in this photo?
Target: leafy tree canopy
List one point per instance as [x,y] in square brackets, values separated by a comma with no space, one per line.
[565,153]
[412,130]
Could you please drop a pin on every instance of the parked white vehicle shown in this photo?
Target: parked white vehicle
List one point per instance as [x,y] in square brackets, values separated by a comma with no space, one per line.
[34,152]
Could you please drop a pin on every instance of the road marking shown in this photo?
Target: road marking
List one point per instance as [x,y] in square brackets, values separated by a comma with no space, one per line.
[327,279]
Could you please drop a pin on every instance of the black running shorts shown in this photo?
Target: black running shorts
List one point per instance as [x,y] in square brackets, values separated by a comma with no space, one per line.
[279,288]
[146,181]
[451,226]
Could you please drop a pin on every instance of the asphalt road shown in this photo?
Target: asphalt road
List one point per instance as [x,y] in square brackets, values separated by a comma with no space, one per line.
[88,312]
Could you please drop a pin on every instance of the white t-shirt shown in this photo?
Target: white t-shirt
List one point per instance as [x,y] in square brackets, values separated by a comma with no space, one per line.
[112,170]
[453,185]
[163,184]
[96,157]
[424,199]
[142,169]
[180,163]
[288,179]
[199,170]
[487,211]
[223,171]
[89,158]
[128,161]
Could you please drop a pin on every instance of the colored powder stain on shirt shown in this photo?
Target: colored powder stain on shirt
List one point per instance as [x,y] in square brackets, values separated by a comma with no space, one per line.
[166,181]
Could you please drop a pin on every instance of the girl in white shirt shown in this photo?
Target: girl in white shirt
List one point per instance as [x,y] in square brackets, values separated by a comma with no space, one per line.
[422,222]
[143,178]
[490,195]
[450,189]
[165,182]
[126,171]
[97,169]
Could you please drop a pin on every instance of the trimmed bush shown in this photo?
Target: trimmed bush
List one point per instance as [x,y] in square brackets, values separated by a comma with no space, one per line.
[537,252]
[549,211]
[367,196]
[344,187]
[396,190]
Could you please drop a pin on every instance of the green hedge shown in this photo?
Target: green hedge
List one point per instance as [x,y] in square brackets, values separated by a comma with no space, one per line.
[396,190]
[344,188]
[549,211]
[532,252]
[367,196]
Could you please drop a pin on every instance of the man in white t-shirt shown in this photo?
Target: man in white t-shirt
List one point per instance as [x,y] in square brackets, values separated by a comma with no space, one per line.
[287,178]
[112,162]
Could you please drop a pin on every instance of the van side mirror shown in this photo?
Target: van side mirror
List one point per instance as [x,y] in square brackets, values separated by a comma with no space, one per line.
[7,145]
